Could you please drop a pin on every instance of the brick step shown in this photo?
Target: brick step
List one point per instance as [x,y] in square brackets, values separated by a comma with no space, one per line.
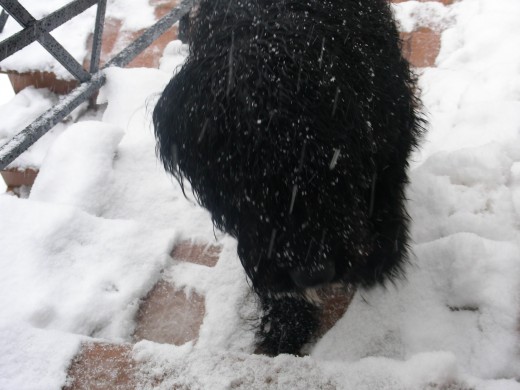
[18,181]
[168,315]
[102,366]
[421,47]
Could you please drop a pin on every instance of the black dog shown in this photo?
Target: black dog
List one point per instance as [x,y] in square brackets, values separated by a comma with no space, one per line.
[293,121]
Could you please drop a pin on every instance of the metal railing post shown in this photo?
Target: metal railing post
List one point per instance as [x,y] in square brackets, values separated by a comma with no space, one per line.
[3,19]
[98,36]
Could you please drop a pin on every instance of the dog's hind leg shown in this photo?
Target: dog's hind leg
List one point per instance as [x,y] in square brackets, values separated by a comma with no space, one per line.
[287,324]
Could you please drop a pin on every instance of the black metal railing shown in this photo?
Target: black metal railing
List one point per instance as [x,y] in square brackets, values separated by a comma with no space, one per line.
[3,19]
[91,80]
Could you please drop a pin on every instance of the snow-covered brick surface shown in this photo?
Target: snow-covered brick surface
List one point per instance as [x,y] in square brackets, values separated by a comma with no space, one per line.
[67,270]
[95,234]
[200,369]
[82,157]
[73,35]
[142,191]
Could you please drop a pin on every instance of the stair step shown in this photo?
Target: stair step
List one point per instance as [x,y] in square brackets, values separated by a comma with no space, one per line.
[102,366]
[167,315]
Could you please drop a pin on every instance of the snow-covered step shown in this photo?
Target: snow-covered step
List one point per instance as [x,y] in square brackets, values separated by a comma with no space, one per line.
[149,365]
[100,366]
[40,79]
[124,22]
[203,254]
[172,315]
[15,178]
[169,315]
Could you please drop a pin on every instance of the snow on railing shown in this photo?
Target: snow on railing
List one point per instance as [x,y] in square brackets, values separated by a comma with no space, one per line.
[92,80]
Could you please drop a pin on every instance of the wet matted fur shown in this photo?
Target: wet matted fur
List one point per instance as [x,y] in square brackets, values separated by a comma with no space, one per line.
[293,121]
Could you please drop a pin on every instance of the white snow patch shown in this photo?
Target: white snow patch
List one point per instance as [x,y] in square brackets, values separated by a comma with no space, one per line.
[199,368]
[142,190]
[135,14]
[66,270]
[82,157]
[35,359]
[473,95]
[6,90]
[174,55]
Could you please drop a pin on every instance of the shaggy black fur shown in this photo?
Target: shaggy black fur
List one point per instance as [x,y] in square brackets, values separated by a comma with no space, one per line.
[293,121]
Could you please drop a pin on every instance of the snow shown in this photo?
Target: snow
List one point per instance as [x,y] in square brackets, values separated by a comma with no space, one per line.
[143,191]
[75,272]
[86,147]
[200,369]
[6,91]
[135,14]
[473,95]
[33,358]
[95,234]
[173,56]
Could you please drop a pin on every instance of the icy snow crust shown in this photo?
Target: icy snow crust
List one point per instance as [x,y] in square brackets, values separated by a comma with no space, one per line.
[96,232]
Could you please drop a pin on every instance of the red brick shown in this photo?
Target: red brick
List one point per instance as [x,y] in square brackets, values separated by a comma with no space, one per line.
[203,254]
[151,56]
[100,366]
[17,178]
[49,80]
[167,315]
[421,47]
[162,7]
